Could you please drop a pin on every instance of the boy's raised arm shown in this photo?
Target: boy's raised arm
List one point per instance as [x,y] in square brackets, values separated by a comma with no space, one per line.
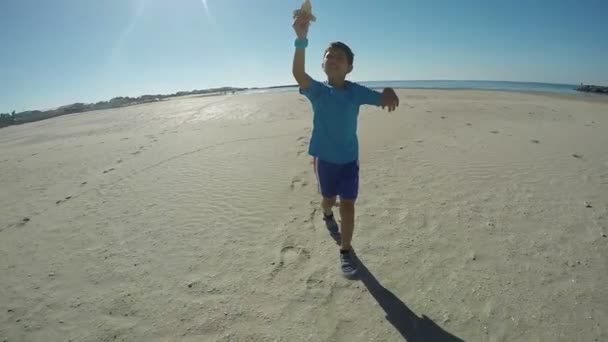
[300,25]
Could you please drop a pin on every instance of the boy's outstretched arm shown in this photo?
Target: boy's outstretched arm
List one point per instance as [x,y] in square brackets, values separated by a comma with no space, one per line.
[385,99]
[389,99]
[300,25]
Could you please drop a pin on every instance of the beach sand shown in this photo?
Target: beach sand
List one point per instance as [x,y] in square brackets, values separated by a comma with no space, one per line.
[482,216]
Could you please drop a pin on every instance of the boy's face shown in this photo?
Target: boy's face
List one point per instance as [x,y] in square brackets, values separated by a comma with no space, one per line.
[335,63]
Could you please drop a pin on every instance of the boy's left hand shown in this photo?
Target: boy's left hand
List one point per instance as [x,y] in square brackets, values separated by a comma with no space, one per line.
[389,99]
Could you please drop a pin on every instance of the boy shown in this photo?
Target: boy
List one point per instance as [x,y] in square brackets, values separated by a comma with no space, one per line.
[334,144]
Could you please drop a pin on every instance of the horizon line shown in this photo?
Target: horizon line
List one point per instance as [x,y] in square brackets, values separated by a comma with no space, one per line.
[295,85]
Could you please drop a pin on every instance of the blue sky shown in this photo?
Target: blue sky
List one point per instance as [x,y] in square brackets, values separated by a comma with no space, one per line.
[64,51]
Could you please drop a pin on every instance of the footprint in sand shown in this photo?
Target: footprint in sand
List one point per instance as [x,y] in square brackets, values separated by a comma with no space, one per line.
[138,151]
[303,143]
[294,181]
[314,281]
[311,217]
[63,200]
[23,221]
[122,307]
[290,255]
[18,224]
[298,180]
[151,137]
[317,287]
[198,287]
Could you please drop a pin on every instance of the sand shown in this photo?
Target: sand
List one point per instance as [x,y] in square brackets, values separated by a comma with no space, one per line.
[482,216]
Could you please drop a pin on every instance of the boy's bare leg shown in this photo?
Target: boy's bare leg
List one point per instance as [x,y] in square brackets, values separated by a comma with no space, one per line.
[328,204]
[330,221]
[347,214]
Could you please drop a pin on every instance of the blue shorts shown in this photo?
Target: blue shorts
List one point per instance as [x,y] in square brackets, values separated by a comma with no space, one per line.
[337,179]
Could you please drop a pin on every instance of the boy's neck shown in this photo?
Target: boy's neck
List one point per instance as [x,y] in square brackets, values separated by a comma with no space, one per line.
[337,83]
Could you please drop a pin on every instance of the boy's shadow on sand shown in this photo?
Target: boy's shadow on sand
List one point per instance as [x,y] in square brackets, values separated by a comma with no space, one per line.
[411,327]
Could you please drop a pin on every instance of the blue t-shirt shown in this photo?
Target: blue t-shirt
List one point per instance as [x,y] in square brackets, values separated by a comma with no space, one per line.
[334,132]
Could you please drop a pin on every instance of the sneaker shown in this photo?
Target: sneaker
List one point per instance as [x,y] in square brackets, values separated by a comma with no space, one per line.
[331,224]
[348,263]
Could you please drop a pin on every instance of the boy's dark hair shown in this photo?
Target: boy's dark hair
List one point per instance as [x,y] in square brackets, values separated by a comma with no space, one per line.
[350,56]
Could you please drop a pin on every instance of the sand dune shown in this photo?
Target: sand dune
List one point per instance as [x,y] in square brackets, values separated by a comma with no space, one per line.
[482,217]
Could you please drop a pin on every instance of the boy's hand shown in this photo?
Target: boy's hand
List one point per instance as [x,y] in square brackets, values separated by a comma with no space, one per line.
[301,22]
[389,99]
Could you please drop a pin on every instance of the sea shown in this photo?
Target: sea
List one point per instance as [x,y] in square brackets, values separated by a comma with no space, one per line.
[487,85]
[448,84]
